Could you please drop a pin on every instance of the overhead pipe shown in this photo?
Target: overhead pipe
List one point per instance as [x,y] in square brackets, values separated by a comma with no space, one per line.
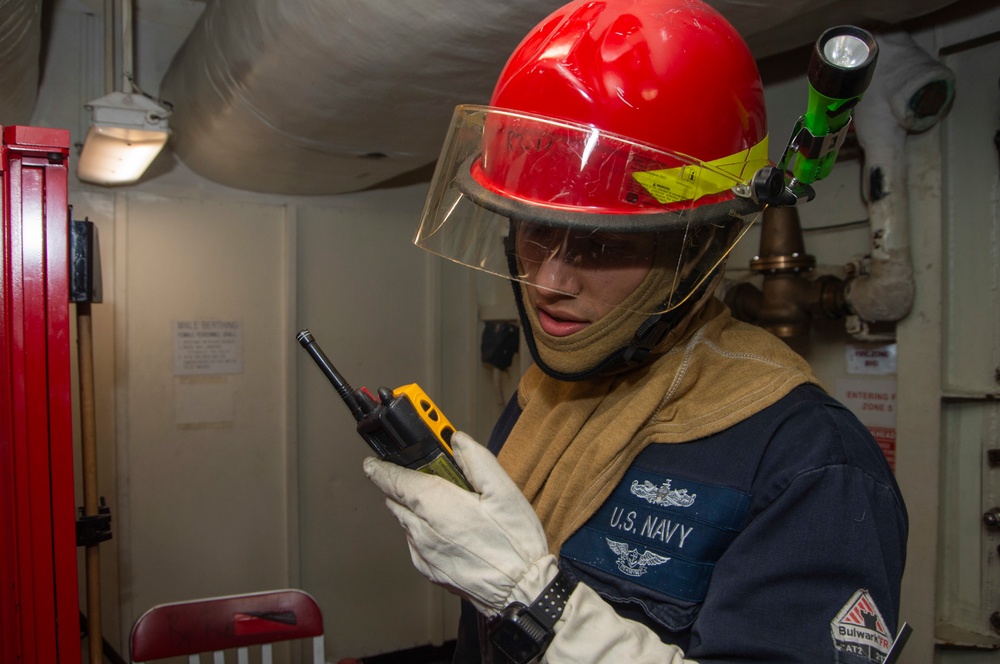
[318,97]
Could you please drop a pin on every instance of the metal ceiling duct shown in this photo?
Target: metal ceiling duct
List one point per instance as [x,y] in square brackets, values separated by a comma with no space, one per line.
[321,97]
[20,51]
[332,96]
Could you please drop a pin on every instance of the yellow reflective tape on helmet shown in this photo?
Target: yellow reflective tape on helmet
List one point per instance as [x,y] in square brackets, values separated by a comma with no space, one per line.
[692,181]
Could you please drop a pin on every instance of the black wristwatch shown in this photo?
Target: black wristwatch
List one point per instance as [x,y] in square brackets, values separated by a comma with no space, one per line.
[522,633]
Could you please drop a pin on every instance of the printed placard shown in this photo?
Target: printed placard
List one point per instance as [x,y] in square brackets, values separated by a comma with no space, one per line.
[208,347]
[869,359]
[873,400]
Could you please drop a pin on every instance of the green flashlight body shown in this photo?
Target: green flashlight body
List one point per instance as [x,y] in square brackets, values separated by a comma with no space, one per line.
[824,116]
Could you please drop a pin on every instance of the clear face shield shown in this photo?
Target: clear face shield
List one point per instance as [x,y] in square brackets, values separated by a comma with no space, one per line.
[576,213]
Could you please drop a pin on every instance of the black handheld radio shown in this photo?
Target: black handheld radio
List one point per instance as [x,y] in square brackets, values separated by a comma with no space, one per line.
[402,426]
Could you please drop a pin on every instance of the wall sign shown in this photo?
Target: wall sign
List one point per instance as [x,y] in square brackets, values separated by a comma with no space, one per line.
[873,400]
[871,359]
[208,347]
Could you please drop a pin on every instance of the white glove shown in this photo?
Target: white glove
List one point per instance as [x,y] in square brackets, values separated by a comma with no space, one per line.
[590,632]
[487,547]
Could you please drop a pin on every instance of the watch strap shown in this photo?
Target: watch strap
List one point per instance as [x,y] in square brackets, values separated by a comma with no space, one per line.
[548,607]
[522,633]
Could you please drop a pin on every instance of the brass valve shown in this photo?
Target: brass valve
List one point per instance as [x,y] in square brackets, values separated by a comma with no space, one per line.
[790,296]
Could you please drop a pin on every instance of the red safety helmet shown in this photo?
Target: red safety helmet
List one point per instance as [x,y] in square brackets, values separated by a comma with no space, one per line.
[670,75]
[611,115]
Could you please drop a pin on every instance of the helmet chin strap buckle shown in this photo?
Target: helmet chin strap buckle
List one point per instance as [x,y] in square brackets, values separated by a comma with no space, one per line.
[655,328]
[646,338]
[635,354]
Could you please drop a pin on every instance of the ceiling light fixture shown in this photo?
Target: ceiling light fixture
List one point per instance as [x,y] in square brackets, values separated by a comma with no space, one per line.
[126,133]
[127,129]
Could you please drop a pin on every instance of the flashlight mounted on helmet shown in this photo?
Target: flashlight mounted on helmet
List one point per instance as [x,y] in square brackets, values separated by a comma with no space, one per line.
[840,70]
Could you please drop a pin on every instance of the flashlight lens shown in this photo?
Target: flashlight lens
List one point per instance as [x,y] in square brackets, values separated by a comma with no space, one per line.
[846,51]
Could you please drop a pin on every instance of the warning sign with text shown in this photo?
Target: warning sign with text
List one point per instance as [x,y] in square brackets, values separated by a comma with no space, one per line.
[873,400]
[208,347]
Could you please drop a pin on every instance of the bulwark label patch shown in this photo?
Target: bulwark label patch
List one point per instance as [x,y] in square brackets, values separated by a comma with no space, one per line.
[859,629]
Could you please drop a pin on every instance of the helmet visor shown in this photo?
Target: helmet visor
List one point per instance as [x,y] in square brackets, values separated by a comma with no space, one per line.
[582,213]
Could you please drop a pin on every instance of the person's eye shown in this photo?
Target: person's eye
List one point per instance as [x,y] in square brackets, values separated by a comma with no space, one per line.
[613,250]
[538,235]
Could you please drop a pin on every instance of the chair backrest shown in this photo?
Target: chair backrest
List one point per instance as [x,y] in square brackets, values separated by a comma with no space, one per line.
[216,624]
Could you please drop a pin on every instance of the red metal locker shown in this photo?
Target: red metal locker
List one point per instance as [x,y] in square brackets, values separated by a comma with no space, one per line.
[39,596]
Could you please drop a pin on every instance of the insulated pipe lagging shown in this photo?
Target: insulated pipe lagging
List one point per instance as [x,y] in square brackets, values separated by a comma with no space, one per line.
[20,46]
[910,92]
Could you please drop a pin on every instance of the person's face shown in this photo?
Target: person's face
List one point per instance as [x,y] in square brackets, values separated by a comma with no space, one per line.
[574,279]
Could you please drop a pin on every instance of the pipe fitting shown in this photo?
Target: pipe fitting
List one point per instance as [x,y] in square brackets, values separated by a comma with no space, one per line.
[790,296]
[910,92]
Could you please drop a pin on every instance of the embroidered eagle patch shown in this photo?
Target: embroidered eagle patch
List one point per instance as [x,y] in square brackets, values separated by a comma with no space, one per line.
[633,563]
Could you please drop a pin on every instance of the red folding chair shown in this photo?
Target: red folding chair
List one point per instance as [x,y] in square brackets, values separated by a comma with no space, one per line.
[234,622]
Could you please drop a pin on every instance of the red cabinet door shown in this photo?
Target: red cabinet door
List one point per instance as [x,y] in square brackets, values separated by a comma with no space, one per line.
[39,597]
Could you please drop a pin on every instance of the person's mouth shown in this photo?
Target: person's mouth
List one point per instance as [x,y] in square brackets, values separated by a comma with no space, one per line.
[559,324]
